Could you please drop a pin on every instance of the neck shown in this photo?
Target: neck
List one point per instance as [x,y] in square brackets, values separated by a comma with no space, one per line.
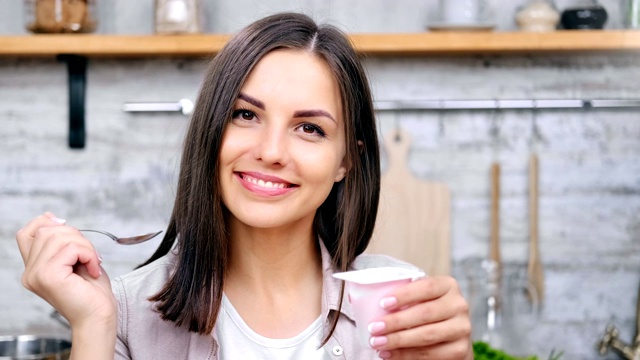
[273,259]
[274,278]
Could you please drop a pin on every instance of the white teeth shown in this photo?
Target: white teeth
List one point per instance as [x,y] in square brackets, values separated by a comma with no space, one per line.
[262,183]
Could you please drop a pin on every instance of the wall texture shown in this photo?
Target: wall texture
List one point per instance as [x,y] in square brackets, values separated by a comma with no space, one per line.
[124,179]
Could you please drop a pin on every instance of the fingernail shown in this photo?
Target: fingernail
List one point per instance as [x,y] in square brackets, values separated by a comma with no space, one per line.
[58,220]
[388,302]
[378,341]
[384,354]
[376,327]
[99,258]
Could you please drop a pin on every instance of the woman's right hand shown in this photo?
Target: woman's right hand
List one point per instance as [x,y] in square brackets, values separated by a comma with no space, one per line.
[63,268]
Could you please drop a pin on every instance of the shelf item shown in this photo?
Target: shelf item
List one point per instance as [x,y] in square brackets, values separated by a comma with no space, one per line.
[538,16]
[60,16]
[387,44]
[177,16]
[463,14]
[586,15]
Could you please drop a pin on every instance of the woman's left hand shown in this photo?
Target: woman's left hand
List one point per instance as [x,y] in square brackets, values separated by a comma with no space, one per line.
[431,321]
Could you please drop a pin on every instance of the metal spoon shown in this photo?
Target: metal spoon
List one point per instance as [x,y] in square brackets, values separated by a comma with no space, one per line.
[127,240]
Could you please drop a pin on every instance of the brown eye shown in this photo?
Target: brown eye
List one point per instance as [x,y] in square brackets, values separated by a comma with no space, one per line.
[312,129]
[244,115]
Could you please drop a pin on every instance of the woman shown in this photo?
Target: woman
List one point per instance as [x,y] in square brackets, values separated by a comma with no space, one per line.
[278,190]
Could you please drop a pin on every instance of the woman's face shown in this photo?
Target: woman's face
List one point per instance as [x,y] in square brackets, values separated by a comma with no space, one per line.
[285,145]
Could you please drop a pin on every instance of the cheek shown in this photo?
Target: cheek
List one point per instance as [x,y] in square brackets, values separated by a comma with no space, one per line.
[232,146]
[320,167]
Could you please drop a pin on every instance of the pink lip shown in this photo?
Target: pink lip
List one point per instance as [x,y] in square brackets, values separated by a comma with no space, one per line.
[261,190]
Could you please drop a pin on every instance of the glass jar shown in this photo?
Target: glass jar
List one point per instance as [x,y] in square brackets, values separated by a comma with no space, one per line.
[632,14]
[504,306]
[177,16]
[60,16]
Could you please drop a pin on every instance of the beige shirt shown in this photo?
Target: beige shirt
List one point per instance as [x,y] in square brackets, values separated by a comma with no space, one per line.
[143,335]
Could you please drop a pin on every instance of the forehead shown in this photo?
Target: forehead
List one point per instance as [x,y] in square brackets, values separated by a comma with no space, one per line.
[298,77]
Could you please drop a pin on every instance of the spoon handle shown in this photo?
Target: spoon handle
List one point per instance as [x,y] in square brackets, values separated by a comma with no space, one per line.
[113,237]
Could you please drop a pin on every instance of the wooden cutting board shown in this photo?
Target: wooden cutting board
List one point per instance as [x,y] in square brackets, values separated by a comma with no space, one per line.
[413,221]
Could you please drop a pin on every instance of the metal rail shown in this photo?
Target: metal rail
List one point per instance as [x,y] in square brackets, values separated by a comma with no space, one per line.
[461,105]
[185,106]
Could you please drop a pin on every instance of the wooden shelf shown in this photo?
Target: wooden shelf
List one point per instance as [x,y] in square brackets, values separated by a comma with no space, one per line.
[426,43]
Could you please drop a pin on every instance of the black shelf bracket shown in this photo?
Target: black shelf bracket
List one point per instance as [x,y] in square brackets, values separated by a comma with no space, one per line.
[77,70]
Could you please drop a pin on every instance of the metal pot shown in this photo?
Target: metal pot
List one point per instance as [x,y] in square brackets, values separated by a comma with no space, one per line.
[30,347]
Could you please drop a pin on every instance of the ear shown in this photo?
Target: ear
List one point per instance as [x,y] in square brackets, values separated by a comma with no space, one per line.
[342,170]
[345,166]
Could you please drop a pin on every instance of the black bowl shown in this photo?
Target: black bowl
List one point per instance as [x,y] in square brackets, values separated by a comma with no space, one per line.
[584,18]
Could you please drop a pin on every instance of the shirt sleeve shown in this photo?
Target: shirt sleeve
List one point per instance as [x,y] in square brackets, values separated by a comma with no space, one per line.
[122,349]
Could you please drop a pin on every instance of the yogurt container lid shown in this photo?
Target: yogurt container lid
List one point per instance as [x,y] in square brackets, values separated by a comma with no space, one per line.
[379,275]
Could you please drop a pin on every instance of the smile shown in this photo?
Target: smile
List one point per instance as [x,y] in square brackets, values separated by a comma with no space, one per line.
[262,183]
[266,183]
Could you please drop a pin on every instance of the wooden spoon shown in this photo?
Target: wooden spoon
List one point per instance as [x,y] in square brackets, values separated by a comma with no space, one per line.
[495,214]
[535,271]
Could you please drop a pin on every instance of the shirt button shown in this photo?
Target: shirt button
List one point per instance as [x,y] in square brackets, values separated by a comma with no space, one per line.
[337,350]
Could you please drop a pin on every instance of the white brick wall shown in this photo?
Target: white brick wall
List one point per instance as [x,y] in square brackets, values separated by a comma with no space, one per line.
[124,179]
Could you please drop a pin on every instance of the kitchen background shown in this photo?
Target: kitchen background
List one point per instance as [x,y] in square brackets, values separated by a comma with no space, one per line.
[124,179]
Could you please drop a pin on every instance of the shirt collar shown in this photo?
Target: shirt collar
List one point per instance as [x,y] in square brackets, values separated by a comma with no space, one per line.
[331,287]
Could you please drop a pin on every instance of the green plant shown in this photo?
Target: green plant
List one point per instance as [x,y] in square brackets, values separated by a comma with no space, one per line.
[484,351]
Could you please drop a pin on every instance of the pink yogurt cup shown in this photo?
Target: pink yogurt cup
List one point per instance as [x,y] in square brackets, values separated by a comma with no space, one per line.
[365,288]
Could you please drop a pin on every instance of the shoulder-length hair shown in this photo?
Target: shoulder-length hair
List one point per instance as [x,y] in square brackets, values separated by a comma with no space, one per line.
[344,222]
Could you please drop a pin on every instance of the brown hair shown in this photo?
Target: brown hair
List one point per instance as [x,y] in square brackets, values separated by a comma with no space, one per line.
[344,221]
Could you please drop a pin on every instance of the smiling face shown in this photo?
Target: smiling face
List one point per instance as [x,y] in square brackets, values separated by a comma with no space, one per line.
[284,147]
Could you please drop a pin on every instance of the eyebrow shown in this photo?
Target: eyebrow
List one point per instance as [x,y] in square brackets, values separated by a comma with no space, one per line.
[313,113]
[300,113]
[251,100]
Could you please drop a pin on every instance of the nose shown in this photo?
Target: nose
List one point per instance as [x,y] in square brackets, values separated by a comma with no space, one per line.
[273,146]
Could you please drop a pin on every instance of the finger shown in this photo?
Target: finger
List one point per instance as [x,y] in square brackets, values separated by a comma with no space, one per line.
[426,335]
[58,239]
[77,255]
[49,240]
[427,312]
[458,350]
[25,236]
[47,243]
[421,290]
[46,275]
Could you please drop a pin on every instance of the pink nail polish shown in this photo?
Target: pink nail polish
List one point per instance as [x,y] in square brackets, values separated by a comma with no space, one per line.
[58,220]
[378,341]
[376,326]
[388,302]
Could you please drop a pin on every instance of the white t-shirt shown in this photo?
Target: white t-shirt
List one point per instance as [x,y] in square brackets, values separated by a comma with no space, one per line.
[238,341]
